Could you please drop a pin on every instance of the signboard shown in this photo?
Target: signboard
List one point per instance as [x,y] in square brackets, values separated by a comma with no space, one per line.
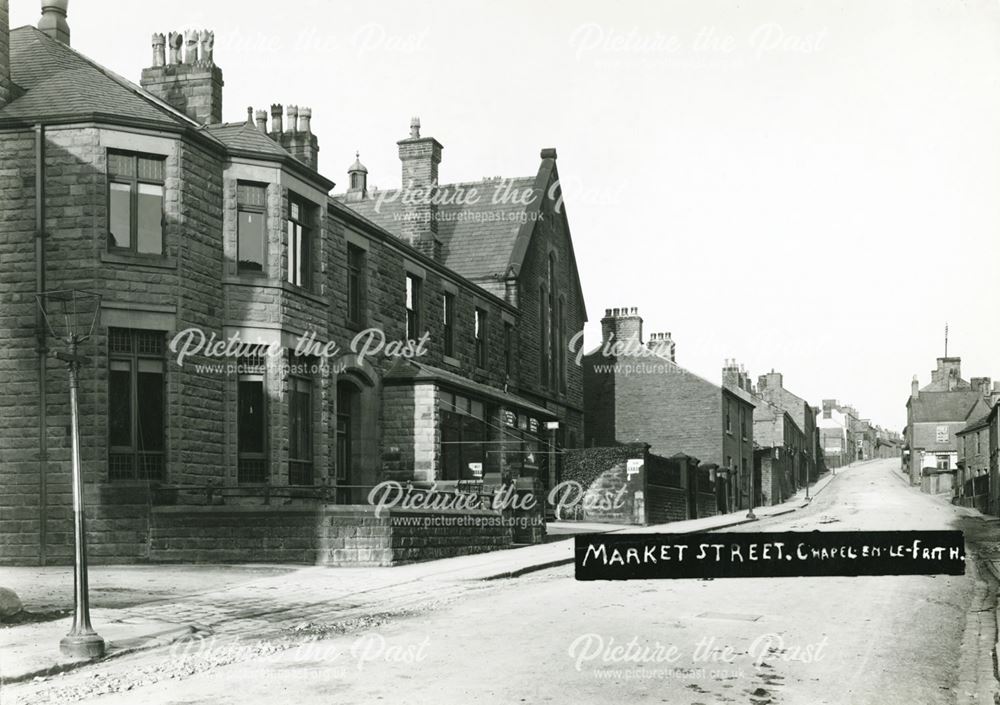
[509,418]
[476,469]
[942,434]
[533,425]
[632,466]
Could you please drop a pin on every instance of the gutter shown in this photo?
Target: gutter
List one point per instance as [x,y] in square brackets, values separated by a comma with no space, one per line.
[43,449]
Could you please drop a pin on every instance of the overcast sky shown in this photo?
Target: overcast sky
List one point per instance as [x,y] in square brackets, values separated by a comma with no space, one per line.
[805,186]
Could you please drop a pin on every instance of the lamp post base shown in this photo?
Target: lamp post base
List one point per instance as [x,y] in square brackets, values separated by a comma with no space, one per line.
[89,646]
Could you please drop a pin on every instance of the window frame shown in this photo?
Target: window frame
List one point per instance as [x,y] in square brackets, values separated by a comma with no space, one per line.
[302,470]
[481,336]
[413,293]
[139,470]
[448,322]
[133,183]
[294,247]
[256,210]
[508,347]
[356,276]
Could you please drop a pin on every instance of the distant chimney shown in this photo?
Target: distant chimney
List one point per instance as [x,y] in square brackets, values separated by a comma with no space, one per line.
[53,20]
[261,119]
[982,385]
[663,345]
[948,372]
[914,388]
[621,325]
[297,136]
[420,157]
[190,83]
[5,82]
[732,374]
[772,381]
[357,180]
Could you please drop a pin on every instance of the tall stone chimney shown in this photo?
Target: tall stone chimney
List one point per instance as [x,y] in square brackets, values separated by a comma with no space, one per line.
[294,133]
[621,325]
[663,345]
[420,157]
[5,82]
[914,388]
[53,20]
[190,83]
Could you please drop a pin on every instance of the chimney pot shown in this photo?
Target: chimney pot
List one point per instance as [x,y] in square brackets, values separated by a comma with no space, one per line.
[262,120]
[305,116]
[414,128]
[159,47]
[249,114]
[192,38]
[292,111]
[53,20]
[276,116]
[548,153]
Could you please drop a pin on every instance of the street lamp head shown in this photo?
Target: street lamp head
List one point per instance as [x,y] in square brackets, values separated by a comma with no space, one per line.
[70,314]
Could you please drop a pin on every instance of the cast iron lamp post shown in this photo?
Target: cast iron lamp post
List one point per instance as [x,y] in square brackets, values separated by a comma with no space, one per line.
[71,316]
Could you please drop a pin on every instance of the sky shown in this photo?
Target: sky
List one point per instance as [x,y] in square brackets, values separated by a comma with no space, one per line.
[801,186]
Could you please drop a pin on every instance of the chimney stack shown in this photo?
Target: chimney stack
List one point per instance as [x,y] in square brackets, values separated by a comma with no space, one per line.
[914,388]
[295,133]
[53,20]
[191,83]
[261,120]
[663,345]
[621,325]
[5,82]
[420,157]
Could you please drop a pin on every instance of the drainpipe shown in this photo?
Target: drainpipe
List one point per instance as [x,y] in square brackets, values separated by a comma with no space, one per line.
[43,444]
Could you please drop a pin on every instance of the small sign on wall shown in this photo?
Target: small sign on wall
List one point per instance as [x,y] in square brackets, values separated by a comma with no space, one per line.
[942,434]
[632,466]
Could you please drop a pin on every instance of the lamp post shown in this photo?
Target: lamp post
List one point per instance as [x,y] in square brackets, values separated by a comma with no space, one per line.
[71,316]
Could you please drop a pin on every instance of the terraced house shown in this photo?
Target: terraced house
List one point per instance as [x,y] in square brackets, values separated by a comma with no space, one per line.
[381,338]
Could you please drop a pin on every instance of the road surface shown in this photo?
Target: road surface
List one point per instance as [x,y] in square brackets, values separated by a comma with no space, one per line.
[546,638]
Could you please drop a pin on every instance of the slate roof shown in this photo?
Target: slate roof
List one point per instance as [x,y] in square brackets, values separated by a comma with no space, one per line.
[56,80]
[955,405]
[477,238]
[244,137]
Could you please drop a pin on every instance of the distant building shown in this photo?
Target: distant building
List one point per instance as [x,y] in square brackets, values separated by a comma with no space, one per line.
[936,413]
[770,388]
[637,391]
[778,455]
[973,486]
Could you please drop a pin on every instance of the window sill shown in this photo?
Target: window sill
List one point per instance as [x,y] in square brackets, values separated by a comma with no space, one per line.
[139,260]
[451,361]
[304,293]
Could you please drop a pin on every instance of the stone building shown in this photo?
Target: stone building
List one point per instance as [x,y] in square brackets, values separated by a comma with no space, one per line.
[365,353]
[637,391]
[973,481]
[770,388]
[936,412]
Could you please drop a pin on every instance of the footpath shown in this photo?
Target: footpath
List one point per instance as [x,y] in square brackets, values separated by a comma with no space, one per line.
[143,607]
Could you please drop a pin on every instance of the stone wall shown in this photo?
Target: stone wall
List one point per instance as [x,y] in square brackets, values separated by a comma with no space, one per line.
[602,475]
[349,536]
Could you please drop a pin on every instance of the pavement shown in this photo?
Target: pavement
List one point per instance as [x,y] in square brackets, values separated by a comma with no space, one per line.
[147,606]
